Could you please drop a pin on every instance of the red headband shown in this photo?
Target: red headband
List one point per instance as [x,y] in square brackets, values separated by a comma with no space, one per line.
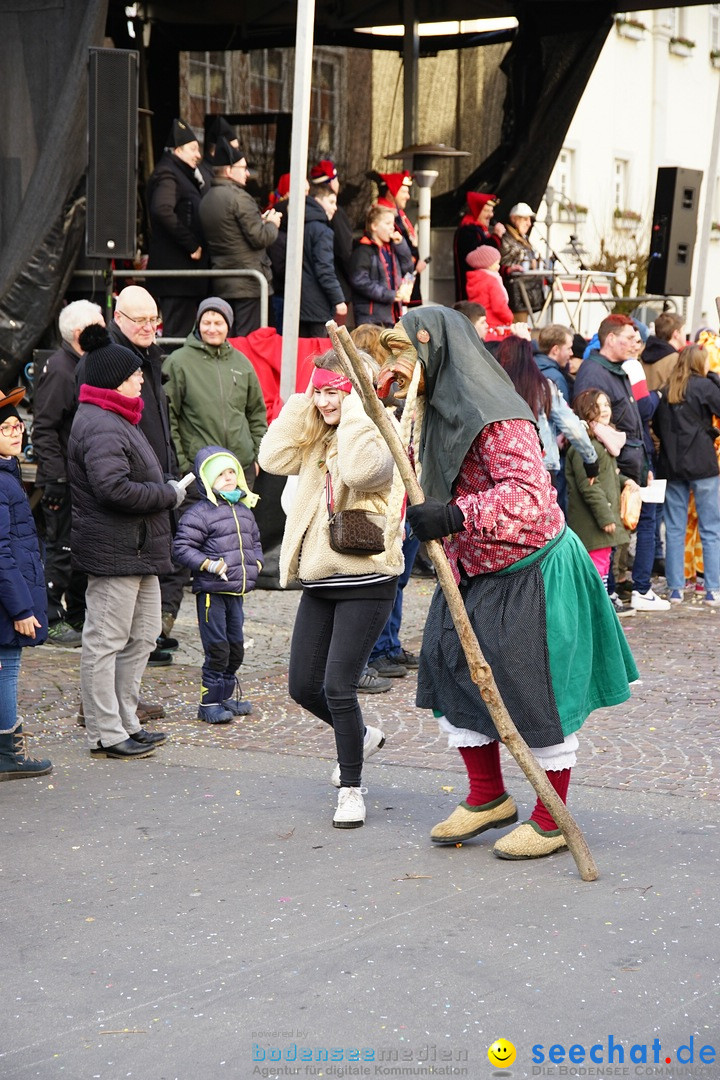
[322,377]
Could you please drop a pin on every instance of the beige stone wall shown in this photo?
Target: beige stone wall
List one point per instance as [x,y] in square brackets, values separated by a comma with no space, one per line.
[460,103]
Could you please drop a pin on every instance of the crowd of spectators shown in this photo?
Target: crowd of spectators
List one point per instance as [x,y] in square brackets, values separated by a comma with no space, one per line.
[118,421]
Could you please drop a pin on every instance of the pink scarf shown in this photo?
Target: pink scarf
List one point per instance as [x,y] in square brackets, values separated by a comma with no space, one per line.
[129,408]
[612,439]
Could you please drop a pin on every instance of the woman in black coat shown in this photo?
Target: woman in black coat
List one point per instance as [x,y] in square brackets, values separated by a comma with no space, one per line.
[683,422]
[121,539]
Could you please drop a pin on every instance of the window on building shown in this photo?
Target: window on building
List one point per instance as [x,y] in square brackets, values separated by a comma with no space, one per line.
[207,87]
[271,87]
[715,27]
[563,179]
[620,184]
[676,21]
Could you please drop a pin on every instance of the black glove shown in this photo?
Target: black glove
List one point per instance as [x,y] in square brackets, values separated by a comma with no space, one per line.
[54,495]
[592,468]
[432,519]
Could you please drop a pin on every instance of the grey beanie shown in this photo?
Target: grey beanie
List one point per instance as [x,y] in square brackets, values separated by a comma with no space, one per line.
[214,303]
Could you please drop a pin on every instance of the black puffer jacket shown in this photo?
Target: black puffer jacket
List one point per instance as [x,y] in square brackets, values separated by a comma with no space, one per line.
[321,290]
[213,528]
[120,524]
[686,432]
[173,200]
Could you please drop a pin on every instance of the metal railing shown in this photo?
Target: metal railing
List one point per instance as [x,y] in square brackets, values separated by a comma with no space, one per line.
[109,276]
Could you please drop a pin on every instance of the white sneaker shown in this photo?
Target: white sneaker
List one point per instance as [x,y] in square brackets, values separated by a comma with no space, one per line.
[374,741]
[649,601]
[350,813]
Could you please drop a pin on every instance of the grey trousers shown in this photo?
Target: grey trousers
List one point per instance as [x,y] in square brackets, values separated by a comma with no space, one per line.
[121,627]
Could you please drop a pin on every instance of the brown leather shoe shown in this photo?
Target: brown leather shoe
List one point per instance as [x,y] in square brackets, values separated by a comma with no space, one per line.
[145,711]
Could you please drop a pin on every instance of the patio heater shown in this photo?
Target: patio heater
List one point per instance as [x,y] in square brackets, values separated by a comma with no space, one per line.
[424,156]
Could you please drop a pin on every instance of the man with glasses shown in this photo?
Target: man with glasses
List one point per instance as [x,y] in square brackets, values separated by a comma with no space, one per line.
[238,236]
[603,370]
[134,326]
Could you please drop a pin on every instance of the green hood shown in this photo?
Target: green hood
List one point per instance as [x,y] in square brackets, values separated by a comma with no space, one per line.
[466,389]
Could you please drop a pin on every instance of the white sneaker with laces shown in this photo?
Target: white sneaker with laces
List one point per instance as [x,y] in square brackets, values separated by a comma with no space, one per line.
[350,813]
[649,601]
[374,741]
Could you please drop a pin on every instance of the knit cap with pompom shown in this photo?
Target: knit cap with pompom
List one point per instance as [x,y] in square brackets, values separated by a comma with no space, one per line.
[107,365]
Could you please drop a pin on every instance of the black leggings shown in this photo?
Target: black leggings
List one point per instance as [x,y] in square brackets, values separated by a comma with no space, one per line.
[331,643]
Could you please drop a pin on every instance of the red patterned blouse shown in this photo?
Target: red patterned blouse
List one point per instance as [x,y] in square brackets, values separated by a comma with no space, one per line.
[509,504]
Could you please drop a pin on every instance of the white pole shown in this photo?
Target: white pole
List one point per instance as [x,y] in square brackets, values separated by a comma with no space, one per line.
[302,88]
[704,245]
[425,178]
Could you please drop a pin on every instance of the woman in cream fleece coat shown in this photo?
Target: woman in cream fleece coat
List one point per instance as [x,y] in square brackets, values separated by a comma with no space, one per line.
[346,599]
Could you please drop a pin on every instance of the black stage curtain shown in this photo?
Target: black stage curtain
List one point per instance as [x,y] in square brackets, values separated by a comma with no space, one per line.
[43,158]
[547,69]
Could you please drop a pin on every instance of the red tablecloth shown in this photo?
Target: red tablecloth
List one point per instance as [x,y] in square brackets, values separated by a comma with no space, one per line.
[263,349]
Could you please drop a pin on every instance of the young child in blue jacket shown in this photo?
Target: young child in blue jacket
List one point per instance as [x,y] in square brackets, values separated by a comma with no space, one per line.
[219,540]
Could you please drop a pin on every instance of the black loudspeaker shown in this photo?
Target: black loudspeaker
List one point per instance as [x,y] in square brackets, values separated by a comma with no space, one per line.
[112,153]
[674,227]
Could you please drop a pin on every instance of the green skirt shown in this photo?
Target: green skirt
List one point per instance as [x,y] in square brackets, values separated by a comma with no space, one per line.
[553,640]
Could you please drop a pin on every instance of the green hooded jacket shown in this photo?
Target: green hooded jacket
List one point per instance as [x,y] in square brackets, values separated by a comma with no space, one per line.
[215,399]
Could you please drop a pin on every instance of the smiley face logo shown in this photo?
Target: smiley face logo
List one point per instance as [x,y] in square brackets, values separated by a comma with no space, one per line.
[501,1053]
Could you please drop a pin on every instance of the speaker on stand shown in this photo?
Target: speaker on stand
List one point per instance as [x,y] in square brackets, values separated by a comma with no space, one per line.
[112,153]
[674,228]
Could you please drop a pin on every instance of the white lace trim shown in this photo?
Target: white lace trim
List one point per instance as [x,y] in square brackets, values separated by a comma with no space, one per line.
[552,758]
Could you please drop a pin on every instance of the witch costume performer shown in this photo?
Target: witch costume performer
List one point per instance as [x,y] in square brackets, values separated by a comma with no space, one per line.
[536,603]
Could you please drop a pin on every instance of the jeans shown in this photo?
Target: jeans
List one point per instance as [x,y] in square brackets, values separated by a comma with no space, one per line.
[9,675]
[644,548]
[389,641]
[121,627]
[677,495]
[331,644]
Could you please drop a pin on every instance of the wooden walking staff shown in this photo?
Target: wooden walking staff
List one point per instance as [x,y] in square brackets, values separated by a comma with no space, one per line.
[480,670]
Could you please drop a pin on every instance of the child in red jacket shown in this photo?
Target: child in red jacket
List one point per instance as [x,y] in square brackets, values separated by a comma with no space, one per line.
[484,286]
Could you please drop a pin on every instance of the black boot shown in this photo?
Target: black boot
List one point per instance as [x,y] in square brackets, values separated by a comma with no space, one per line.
[235,704]
[14,762]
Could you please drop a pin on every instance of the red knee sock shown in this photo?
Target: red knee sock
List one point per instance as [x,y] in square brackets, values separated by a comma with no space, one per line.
[484,772]
[560,780]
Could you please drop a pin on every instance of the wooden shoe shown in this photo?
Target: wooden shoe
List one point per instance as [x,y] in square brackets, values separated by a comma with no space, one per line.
[468,821]
[529,841]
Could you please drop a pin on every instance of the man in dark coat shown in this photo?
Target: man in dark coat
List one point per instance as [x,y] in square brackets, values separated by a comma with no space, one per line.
[604,371]
[54,407]
[321,297]
[238,235]
[173,194]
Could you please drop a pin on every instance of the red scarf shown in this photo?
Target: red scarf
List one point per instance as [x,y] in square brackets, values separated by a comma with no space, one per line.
[129,408]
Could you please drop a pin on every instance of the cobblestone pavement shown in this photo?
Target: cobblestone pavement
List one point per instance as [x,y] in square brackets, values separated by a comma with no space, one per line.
[664,740]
